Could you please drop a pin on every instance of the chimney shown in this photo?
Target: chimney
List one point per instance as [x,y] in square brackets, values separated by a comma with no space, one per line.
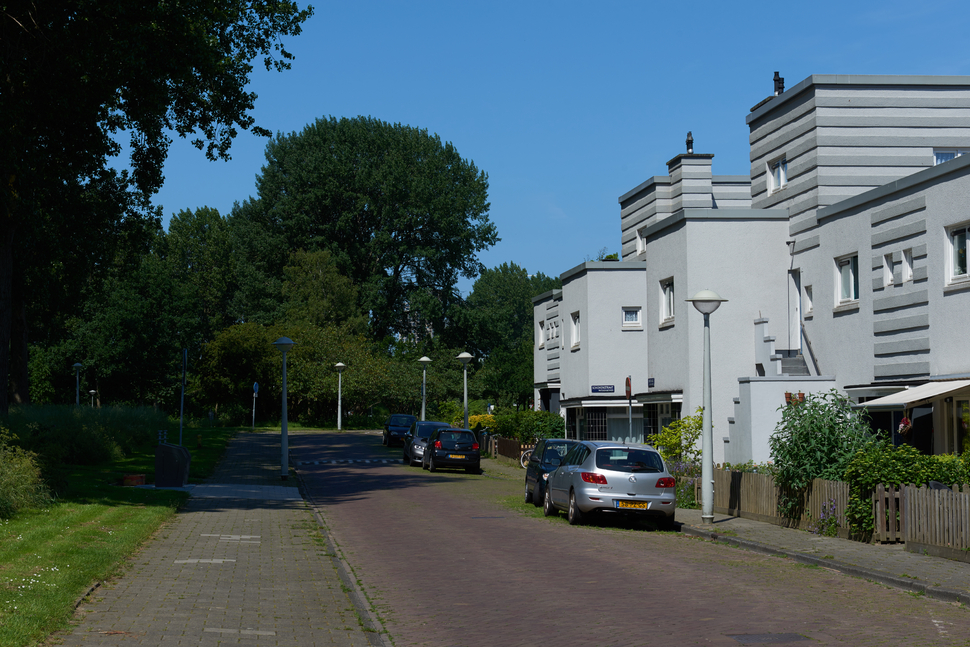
[779,84]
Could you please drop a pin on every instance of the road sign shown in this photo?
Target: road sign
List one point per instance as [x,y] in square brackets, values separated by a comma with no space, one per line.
[255,387]
[629,388]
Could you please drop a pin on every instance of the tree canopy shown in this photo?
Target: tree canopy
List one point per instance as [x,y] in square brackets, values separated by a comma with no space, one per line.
[401,213]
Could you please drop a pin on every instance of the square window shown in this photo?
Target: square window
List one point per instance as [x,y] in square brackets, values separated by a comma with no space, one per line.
[847,276]
[667,300]
[958,253]
[631,317]
[777,174]
[575,329]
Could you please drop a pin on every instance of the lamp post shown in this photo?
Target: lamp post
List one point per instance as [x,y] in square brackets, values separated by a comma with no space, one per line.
[340,366]
[464,358]
[284,344]
[77,383]
[424,381]
[706,302]
[92,392]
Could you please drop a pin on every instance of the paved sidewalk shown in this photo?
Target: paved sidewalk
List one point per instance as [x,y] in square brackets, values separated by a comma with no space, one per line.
[887,564]
[242,563]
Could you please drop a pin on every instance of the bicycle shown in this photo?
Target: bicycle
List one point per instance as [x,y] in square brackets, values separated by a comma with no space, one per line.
[527,454]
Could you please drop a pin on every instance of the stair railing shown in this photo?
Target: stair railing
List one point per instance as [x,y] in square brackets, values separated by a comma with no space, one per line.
[811,351]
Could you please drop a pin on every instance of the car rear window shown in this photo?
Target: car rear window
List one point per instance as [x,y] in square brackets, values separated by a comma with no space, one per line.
[457,436]
[629,460]
[401,420]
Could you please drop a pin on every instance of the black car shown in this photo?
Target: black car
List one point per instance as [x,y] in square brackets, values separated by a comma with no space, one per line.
[417,439]
[452,448]
[546,457]
[396,428]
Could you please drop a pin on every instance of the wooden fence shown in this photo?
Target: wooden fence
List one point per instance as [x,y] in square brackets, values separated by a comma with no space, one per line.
[755,496]
[510,448]
[935,521]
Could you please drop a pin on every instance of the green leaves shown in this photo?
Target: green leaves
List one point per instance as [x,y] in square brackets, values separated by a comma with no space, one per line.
[678,440]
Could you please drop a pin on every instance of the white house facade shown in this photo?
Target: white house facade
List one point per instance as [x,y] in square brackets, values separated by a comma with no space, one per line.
[843,259]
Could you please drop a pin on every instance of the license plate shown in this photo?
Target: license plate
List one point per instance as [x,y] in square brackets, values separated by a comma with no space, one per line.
[634,505]
[456,456]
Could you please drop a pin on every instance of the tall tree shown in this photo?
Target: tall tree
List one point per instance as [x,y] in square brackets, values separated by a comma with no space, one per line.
[317,294]
[402,213]
[74,74]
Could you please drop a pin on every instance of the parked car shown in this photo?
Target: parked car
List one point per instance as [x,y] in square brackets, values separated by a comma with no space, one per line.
[417,439]
[396,427]
[451,447]
[546,457]
[612,478]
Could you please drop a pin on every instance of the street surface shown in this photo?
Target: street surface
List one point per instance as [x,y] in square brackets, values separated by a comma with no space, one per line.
[449,559]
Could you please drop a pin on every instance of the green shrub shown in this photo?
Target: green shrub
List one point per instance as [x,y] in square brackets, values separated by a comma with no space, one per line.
[882,463]
[21,485]
[678,440]
[815,439]
[526,426]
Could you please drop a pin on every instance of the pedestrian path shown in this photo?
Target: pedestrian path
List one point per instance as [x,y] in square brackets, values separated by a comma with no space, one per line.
[888,564]
[241,563]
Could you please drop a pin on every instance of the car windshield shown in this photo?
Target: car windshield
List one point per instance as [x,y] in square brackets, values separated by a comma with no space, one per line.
[623,459]
[555,451]
[401,421]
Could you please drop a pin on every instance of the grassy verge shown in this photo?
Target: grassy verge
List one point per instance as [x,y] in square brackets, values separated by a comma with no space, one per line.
[50,558]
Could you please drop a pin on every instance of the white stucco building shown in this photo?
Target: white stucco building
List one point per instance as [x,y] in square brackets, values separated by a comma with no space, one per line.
[843,257]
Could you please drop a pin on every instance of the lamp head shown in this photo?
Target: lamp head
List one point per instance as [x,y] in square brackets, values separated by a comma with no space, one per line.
[78,366]
[340,366]
[284,344]
[464,358]
[425,360]
[706,301]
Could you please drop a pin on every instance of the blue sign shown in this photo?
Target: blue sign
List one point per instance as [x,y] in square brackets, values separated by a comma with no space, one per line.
[255,387]
[650,383]
[602,388]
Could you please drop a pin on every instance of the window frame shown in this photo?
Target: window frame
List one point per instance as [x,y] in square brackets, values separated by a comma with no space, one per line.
[575,330]
[809,300]
[888,280]
[851,262]
[667,300]
[779,181]
[952,254]
[636,310]
[956,152]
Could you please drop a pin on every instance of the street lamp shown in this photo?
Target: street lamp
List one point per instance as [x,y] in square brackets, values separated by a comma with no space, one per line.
[706,302]
[340,387]
[284,344]
[77,383]
[464,358]
[424,381]
[92,392]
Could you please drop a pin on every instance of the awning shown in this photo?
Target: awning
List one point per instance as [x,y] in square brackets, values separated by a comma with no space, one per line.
[915,396]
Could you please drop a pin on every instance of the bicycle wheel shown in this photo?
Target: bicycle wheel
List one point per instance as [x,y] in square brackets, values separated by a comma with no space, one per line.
[524,458]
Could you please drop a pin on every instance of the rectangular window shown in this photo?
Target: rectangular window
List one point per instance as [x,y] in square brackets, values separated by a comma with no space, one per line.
[907,265]
[575,329]
[848,278]
[941,155]
[666,300]
[631,317]
[542,334]
[808,299]
[596,423]
[958,253]
[777,174]
[641,242]
[887,270]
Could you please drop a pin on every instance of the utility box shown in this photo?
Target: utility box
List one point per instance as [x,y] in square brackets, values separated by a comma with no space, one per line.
[171,465]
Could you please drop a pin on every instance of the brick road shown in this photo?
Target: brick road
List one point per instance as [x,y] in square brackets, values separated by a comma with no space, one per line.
[445,562]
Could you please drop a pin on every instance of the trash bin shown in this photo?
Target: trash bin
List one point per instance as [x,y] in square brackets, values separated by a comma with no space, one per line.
[171,465]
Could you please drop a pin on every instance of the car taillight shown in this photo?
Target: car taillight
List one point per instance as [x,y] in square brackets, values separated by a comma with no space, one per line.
[667,481]
[590,477]
[475,447]
[437,444]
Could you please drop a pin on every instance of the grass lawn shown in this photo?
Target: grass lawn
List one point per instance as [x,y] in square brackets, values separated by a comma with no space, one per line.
[50,558]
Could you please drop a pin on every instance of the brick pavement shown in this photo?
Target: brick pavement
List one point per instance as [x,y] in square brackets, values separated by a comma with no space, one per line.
[241,563]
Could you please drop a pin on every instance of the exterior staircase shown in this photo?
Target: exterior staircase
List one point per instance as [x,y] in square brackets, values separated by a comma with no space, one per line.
[794,365]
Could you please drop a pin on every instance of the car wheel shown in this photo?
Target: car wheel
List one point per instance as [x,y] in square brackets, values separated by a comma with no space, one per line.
[547,508]
[424,465]
[667,523]
[528,495]
[384,439]
[538,496]
[575,515]
[431,466]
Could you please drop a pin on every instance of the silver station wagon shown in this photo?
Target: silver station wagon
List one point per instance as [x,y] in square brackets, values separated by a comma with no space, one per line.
[612,478]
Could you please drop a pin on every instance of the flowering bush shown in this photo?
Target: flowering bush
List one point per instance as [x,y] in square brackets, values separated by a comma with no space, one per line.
[827,523]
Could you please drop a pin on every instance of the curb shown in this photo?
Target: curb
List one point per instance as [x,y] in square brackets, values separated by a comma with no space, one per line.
[914,586]
[373,629]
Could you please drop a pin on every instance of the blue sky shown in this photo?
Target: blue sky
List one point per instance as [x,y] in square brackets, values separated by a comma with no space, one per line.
[566,105]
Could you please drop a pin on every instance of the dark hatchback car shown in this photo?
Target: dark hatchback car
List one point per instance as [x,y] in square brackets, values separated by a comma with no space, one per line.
[546,457]
[417,439]
[396,428]
[452,448]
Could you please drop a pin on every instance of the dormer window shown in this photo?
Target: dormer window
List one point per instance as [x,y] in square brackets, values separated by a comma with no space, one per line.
[777,174]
